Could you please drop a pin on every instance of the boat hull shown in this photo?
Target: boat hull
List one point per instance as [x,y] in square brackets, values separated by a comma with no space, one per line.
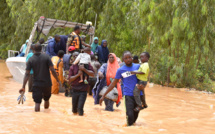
[16,66]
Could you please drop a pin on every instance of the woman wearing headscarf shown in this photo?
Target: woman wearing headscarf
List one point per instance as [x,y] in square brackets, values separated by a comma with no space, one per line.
[103,52]
[106,74]
[95,44]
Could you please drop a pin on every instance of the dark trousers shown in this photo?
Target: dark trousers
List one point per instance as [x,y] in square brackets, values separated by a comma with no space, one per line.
[130,105]
[109,105]
[78,101]
[139,100]
[40,93]
[30,83]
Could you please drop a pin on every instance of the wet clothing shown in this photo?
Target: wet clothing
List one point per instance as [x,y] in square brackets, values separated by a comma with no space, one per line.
[30,83]
[99,86]
[102,52]
[111,72]
[109,105]
[78,101]
[40,93]
[142,79]
[130,105]
[76,86]
[144,67]
[130,81]
[58,66]
[137,94]
[79,94]
[50,50]
[40,64]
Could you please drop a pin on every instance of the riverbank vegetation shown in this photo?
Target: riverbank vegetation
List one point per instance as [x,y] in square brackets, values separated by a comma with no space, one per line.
[179,34]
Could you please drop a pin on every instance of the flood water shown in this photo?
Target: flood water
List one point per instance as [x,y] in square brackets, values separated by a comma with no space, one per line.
[170,111]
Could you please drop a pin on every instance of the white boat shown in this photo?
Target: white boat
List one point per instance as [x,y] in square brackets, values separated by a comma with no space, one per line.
[17,65]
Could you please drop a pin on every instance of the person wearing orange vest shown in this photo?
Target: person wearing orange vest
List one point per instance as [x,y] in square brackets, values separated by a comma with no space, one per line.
[74,39]
[58,66]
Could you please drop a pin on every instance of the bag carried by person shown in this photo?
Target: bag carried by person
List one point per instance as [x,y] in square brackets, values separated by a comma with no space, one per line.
[112,95]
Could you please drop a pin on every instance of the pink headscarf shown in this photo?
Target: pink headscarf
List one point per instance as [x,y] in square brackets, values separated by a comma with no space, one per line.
[111,72]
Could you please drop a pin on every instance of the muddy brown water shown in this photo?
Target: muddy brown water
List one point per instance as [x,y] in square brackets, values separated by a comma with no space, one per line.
[170,111]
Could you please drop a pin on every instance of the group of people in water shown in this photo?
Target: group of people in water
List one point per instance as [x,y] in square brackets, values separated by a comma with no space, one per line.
[67,61]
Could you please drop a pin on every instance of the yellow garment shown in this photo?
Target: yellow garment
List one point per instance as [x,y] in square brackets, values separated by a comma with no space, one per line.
[58,66]
[145,69]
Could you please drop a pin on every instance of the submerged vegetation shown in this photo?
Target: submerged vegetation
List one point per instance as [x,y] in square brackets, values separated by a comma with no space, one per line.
[179,34]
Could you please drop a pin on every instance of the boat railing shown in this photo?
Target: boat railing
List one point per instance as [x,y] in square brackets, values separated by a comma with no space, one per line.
[12,53]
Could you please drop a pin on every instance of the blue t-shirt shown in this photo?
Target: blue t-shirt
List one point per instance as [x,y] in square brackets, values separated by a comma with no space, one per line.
[129,82]
[29,56]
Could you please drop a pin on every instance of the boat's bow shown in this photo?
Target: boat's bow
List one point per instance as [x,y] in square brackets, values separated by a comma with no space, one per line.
[16,66]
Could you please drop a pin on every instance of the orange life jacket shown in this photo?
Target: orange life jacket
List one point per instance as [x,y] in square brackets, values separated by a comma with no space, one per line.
[76,41]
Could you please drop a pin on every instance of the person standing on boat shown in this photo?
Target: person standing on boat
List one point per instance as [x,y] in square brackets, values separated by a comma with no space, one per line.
[74,39]
[50,50]
[41,65]
[95,44]
[102,52]
[62,44]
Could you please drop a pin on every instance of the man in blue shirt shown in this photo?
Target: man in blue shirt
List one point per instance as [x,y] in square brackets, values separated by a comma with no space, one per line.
[129,82]
[51,46]
[62,44]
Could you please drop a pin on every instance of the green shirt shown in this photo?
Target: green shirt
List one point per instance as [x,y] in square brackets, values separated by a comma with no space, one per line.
[145,69]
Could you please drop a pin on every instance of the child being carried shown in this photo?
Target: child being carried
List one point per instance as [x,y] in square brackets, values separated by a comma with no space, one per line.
[142,75]
[84,59]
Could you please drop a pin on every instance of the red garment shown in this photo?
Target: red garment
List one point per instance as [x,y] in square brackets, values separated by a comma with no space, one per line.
[111,72]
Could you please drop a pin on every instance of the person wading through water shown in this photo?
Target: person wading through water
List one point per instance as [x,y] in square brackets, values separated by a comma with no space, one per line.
[79,94]
[58,66]
[41,64]
[129,82]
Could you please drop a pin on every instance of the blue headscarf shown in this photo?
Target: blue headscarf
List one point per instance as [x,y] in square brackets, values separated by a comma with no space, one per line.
[103,53]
